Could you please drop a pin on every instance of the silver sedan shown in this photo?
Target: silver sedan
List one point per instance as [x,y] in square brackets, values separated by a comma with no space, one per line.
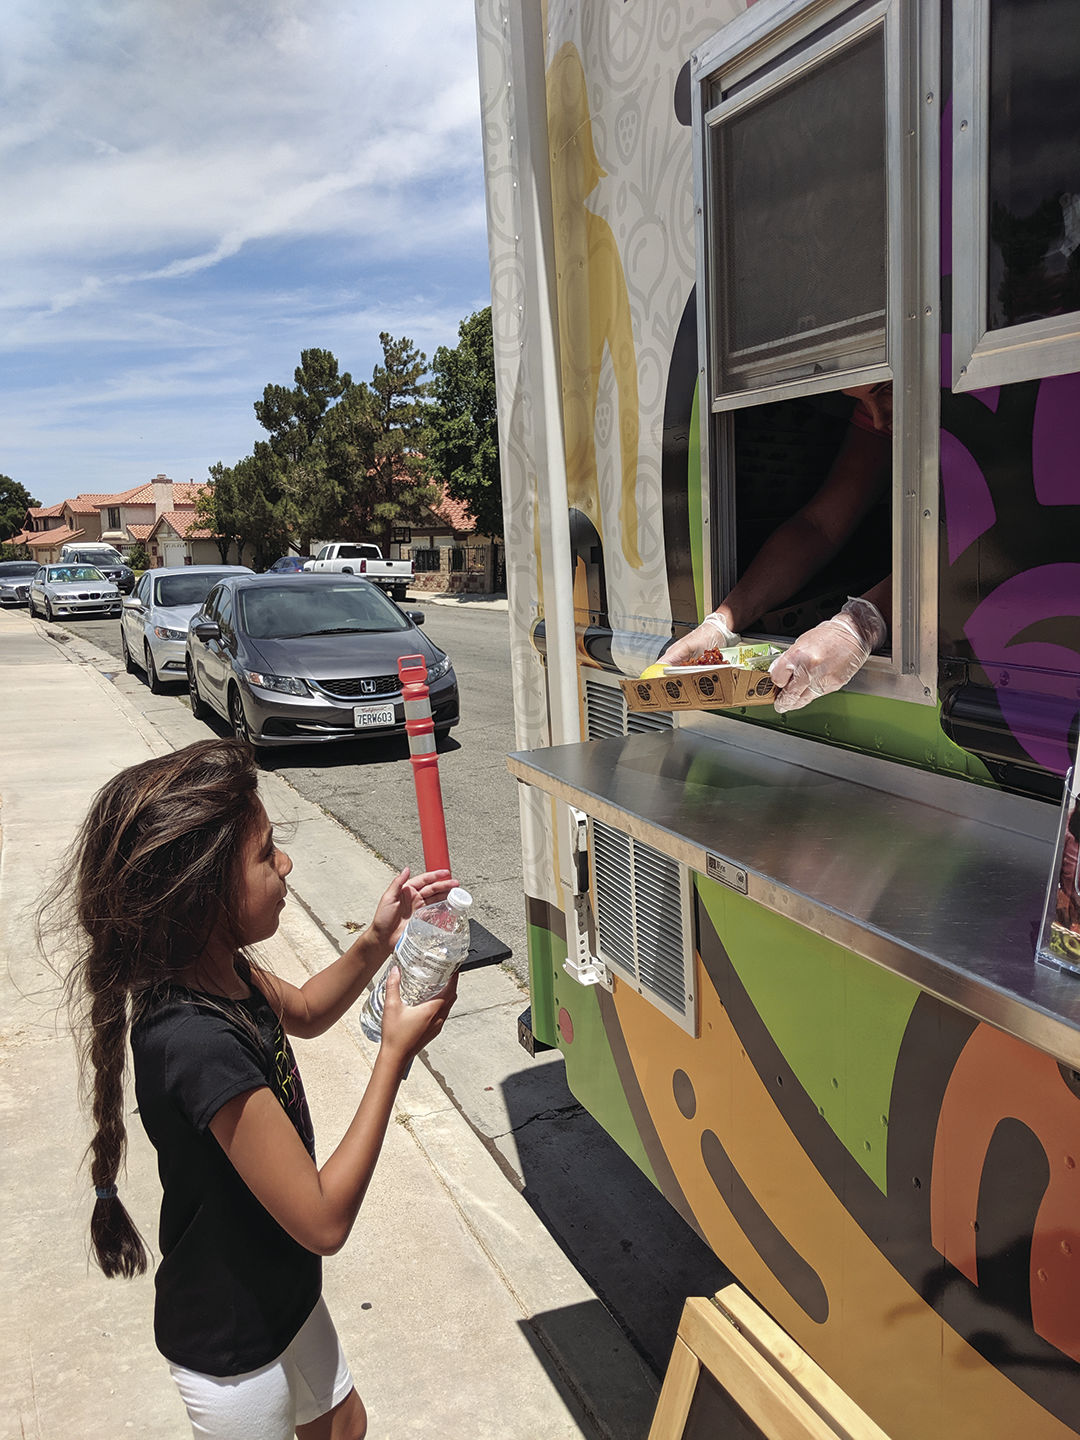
[63,590]
[154,620]
[15,576]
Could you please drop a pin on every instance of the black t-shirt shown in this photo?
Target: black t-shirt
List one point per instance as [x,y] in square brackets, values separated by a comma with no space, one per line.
[233,1288]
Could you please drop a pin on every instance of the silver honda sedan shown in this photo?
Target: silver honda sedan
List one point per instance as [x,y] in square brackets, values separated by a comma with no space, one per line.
[57,591]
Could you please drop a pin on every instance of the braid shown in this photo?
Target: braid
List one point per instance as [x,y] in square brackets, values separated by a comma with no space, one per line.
[153,870]
[118,1246]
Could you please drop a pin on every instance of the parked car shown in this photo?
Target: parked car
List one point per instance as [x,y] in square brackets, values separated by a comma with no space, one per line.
[15,577]
[57,590]
[346,558]
[154,620]
[311,658]
[104,558]
[288,565]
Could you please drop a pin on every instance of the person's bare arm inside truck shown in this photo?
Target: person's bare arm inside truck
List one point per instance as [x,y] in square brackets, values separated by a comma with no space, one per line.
[827,656]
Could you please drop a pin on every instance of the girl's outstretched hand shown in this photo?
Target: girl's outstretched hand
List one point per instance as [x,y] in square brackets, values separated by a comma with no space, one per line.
[406,1029]
[402,896]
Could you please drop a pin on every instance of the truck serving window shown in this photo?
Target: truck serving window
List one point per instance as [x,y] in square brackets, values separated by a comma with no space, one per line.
[816,197]
[1016,197]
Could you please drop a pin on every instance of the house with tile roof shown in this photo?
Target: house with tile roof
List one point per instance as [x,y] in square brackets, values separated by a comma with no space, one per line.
[449,555]
[177,537]
[122,519]
[44,528]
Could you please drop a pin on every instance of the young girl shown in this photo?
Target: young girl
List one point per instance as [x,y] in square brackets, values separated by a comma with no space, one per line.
[176,874]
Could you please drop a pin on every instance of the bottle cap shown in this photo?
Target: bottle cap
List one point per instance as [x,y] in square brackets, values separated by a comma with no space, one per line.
[460,899]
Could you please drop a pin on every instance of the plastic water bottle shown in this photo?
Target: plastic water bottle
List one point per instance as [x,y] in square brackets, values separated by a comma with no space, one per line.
[432,946]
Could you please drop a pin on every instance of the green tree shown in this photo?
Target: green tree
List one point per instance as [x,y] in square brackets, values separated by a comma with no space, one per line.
[138,557]
[461,439]
[246,504]
[215,508]
[340,498]
[15,500]
[293,417]
[399,488]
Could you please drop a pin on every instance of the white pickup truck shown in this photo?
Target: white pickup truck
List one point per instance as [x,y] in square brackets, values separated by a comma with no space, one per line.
[347,557]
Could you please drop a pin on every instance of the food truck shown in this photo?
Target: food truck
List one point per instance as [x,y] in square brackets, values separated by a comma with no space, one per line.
[790,958]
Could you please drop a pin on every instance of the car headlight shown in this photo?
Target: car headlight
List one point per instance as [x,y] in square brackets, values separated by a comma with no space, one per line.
[439,669]
[283,684]
[164,633]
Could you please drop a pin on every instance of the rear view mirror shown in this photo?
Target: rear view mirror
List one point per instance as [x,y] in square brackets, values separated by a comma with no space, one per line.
[206,631]
[416,616]
[132,603]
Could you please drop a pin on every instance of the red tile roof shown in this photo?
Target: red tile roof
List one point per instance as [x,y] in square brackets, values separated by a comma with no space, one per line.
[39,510]
[184,523]
[88,504]
[38,539]
[139,532]
[454,513]
[184,492]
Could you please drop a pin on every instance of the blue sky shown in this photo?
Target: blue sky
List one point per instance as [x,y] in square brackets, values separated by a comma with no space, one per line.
[197,190]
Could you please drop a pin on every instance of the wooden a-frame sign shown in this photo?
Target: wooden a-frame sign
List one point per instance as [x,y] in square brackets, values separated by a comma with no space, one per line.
[735,1374]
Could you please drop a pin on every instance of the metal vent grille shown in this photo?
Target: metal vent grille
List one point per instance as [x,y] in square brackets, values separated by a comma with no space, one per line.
[605,711]
[642,907]
[606,715]
[638,722]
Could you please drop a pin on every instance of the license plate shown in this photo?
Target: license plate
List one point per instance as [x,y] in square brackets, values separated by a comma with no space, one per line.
[365,716]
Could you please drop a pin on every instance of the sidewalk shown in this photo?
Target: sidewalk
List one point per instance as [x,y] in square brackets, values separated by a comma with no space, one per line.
[460,1315]
[477,602]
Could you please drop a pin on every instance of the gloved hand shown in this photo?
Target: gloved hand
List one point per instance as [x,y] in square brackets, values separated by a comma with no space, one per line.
[711,634]
[826,657]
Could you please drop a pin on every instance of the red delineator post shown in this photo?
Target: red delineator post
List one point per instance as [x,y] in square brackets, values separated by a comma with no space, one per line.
[425,761]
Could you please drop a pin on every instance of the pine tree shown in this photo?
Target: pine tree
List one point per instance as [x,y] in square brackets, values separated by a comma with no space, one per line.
[399,486]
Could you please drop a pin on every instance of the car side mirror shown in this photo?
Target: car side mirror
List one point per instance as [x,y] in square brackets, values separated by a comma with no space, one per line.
[208,630]
[416,616]
[132,602]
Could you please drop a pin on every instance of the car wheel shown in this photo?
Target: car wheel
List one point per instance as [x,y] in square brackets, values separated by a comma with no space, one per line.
[238,717]
[31,607]
[49,616]
[152,677]
[199,707]
[129,663]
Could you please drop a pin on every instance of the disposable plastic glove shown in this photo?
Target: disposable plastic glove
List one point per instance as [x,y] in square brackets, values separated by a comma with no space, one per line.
[711,634]
[826,657]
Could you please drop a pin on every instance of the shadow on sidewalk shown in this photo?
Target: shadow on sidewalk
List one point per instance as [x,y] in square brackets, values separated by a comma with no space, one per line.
[634,1249]
[571,1331]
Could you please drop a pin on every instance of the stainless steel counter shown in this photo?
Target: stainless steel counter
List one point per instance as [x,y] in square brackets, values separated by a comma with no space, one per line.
[934,878]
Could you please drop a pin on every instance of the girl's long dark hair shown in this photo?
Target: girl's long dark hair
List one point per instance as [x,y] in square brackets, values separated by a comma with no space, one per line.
[154,869]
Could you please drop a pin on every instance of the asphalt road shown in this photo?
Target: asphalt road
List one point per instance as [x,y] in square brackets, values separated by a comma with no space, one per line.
[368,784]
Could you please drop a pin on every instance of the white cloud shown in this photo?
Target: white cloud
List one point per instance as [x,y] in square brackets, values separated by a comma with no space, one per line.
[188,186]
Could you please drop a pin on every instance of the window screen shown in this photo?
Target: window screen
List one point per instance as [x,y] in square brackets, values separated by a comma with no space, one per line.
[799,212]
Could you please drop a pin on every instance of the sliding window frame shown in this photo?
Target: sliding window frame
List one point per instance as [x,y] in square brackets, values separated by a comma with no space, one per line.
[765,41]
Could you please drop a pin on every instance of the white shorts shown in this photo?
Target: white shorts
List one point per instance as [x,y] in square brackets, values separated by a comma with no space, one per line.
[304,1382]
